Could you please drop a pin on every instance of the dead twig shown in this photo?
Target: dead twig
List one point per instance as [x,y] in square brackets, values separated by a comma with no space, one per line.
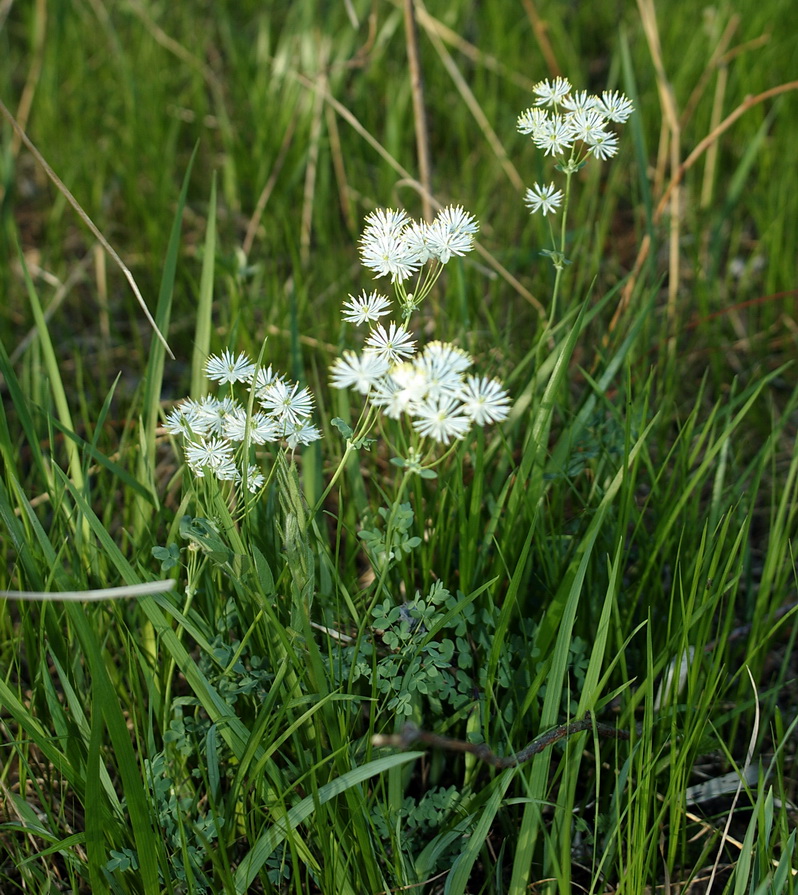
[411,733]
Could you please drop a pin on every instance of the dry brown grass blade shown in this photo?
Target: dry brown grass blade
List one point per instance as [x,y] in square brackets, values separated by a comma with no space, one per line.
[473,106]
[337,158]
[541,31]
[717,59]
[62,188]
[645,246]
[748,103]
[477,56]
[670,138]
[419,108]
[409,180]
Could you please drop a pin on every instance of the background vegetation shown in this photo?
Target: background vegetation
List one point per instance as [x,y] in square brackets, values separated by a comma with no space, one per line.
[632,518]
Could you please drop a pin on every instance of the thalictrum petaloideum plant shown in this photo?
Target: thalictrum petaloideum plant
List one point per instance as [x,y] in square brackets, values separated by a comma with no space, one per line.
[572,127]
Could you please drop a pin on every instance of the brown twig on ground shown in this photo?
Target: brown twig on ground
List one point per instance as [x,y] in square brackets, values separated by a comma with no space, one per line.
[414,734]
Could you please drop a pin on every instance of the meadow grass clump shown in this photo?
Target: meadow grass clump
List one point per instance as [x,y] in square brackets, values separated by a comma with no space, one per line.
[473,577]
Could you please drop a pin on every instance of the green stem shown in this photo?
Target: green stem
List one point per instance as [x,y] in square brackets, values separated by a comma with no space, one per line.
[389,526]
[561,249]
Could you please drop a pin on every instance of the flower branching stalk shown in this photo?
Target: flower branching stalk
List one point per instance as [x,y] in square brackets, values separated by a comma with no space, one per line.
[223,441]
[572,127]
[427,387]
[427,390]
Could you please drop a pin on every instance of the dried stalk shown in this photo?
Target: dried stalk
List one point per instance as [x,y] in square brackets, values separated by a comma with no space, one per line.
[414,734]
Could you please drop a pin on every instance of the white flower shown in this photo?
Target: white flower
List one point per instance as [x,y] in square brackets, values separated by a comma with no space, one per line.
[411,383]
[550,93]
[262,428]
[442,379]
[360,372]
[255,479]
[388,254]
[531,120]
[185,420]
[416,240]
[580,102]
[301,432]
[212,412]
[213,452]
[226,368]
[484,400]
[289,404]
[263,379]
[554,136]
[235,424]
[452,233]
[450,355]
[385,222]
[394,345]
[604,146]
[543,198]
[442,420]
[391,397]
[587,125]
[455,219]
[615,106]
[366,308]
[227,471]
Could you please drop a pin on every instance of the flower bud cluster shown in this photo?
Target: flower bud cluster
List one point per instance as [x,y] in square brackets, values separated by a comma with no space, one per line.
[214,430]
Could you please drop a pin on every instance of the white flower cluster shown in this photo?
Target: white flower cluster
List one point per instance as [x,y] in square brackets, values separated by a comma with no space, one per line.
[430,386]
[563,122]
[214,428]
[394,244]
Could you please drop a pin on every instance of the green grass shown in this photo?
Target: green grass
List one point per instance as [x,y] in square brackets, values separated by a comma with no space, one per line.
[634,516]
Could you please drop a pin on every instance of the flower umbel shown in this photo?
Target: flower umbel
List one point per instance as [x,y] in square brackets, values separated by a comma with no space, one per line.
[578,124]
[219,435]
[394,245]
[573,127]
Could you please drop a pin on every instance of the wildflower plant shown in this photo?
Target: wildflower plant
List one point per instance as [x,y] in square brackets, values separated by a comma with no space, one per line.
[429,388]
[423,397]
[574,127]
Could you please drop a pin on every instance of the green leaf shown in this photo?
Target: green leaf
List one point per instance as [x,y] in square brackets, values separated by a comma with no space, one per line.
[268,842]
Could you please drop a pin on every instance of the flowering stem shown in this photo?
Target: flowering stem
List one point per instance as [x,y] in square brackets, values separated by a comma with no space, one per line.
[335,476]
[560,264]
[389,527]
